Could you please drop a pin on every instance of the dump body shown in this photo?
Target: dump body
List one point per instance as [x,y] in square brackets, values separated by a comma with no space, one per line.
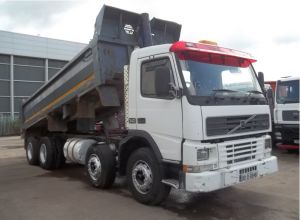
[97,71]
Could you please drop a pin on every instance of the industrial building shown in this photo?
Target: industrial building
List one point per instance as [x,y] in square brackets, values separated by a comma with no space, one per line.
[26,63]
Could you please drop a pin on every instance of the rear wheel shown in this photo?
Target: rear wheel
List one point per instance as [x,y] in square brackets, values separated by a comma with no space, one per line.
[47,153]
[144,176]
[101,166]
[32,150]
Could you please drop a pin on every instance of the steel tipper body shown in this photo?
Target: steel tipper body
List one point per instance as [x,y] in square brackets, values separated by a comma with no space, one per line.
[163,112]
[98,69]
[286,113]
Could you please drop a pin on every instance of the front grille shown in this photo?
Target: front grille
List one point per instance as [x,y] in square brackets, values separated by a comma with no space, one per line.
[241,152]
[248,170]
[236,124]
[248,173]
[236,152]
[290,115]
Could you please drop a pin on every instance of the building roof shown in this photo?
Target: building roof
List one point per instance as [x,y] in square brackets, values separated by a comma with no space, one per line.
[34,46]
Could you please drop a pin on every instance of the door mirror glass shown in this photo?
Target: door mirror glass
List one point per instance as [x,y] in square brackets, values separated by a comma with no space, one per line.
[270,96]
[261,80]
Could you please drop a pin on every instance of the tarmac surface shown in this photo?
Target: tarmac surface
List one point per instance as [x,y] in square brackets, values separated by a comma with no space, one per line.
[29,193]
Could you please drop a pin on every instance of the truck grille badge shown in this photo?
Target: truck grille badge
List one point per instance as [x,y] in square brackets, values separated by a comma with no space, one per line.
[242,124]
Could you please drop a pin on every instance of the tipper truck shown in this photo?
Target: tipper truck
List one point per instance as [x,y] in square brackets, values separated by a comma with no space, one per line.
[137,102]
[286,113]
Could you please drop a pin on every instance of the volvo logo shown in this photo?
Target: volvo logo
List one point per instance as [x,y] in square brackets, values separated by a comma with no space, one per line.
[242,124]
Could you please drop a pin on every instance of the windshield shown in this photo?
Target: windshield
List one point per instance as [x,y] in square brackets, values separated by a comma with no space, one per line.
[205,79]
[287,92]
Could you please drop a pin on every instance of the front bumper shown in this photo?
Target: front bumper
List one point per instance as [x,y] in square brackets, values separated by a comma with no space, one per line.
[287,134]
[213,180]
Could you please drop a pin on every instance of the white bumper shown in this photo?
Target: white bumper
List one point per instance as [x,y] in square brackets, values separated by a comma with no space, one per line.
[213,180]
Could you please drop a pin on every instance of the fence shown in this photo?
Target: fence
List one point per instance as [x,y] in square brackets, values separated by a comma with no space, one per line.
[9,126]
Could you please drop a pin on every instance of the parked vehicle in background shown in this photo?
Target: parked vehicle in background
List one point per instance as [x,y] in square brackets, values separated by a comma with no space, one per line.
[163,112]
[270,85]
[286,113]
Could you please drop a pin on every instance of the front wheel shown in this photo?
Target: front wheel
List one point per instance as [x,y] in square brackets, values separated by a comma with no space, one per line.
[144,176]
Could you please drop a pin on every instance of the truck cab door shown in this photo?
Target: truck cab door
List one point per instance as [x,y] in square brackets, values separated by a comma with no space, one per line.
[158,112]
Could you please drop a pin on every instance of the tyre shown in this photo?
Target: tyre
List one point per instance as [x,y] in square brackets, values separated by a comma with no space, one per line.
[32,150]
[101,166]
[293,151]
[47,153]
[144,176]
[59,152]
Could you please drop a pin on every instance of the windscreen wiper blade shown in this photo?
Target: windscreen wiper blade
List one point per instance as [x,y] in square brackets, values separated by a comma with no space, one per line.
[221,90]
[255,92]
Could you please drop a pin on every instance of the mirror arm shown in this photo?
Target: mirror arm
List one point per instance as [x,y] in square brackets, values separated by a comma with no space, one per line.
[174,91]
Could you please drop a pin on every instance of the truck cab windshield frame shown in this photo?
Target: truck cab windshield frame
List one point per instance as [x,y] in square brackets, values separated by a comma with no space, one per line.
[209,84]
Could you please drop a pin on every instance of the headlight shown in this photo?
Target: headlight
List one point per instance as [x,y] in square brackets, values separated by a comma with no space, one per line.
[202,154]
[268,144]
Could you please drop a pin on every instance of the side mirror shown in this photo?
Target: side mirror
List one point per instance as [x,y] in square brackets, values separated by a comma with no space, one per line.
[269,94]
[162,81]
[261,80]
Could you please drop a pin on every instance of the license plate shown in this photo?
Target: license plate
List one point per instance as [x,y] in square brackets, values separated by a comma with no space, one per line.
[248,174]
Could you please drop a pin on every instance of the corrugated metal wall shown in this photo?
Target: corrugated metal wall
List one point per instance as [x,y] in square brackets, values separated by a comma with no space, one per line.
[20,77]
[9,126]
[26,63]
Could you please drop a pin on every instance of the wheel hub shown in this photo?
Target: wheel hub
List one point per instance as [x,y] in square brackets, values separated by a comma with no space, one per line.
[29,150]
[43,153]
[94,167]
[142,177]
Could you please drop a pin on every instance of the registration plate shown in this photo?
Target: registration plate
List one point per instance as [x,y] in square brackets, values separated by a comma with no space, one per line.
[248,173]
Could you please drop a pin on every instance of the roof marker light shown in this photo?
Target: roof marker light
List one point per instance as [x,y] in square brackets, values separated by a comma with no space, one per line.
[208,42]
[211,54]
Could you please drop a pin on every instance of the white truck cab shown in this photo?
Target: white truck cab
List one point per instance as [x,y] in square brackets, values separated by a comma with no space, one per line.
[204,108]
[286,112]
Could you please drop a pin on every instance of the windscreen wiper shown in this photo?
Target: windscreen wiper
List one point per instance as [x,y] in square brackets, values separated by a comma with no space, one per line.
[255,92]
[221,90]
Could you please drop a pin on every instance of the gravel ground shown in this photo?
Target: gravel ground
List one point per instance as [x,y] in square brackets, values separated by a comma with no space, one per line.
[28,192]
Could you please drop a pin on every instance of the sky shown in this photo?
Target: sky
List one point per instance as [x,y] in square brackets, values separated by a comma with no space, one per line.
[268,30]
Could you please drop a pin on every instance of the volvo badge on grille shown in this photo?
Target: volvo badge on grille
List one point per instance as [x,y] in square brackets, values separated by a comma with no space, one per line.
[241,125]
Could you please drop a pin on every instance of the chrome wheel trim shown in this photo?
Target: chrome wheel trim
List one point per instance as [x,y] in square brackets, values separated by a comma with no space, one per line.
[142,177]
[29,151]
[43,153]
[94,167]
